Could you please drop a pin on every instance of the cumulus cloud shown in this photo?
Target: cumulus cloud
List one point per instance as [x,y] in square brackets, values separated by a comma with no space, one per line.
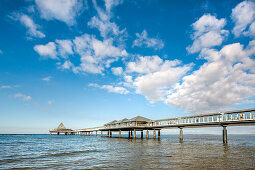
[155,77]
[65,48]
[110,88]
[48,78]
[23,97]
[62,10]
[96,54]
[144,40]
[226,79]
[47,51]
[243,16]
[117,71]
[208,32]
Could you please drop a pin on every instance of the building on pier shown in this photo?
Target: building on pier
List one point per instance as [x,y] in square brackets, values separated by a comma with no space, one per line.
[61,129]
[136,121]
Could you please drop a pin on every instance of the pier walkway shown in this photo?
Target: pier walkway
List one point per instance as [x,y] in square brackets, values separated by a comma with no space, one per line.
[139,123]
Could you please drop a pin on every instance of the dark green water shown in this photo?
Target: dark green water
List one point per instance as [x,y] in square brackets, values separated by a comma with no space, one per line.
[86,152]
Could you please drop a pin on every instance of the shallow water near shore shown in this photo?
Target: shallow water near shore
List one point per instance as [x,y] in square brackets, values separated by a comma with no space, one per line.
[94,152]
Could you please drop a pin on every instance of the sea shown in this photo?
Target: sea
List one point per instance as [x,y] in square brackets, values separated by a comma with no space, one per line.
[96,152]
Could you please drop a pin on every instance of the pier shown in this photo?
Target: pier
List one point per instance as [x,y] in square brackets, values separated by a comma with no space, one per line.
[140,124]
[61,129]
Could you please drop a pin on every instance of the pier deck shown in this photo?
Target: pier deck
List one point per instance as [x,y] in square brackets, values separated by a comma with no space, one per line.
[139,123]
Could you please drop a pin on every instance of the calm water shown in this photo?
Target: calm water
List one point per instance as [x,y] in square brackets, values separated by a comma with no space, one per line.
[85,152]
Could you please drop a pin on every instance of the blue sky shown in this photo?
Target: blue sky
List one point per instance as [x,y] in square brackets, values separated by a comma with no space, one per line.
[85,63]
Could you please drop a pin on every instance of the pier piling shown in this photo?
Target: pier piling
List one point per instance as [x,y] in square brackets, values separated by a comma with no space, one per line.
[154,134]
[225,137]
[147,134]
[119,133]
[158,134]
[134,133]
[181,135]
[142,134]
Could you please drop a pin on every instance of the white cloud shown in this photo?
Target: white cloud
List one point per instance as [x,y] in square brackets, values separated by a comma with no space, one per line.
[65,48]
[23,97]
[103,21]
[155,77]
[109,4]
[96,54]
[50,102]
[227,79]
[67,65]
[31,26]
[243,15]
[112,89]
[63,10]
[117,71]
[6,87]
[144,40]
[47,78]
[150,64]
[47,51]
[208,32]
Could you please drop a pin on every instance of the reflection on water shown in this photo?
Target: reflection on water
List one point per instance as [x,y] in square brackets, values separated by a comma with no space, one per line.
[85,152]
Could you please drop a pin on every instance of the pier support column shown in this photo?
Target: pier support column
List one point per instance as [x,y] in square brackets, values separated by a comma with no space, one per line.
[129,134]
[181,135]
[225,136]
[158,134]
[110,134]
[142,134]
[154,134]
[101,133]
[96,133]
[147,134]
[134,133]
[91,133]
[119,133]
[58,133]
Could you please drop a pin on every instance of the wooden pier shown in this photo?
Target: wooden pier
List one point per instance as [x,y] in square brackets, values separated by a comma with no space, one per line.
[141,124]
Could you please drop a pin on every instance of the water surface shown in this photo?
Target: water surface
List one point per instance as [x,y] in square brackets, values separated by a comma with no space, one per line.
[86,152]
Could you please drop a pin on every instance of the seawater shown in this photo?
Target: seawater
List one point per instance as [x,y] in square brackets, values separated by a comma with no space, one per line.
[95,152]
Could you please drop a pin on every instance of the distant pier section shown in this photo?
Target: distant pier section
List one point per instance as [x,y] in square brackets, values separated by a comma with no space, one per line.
[61,129]
[141,124]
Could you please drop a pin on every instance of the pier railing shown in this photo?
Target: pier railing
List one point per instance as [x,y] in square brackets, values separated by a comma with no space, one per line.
[206,119]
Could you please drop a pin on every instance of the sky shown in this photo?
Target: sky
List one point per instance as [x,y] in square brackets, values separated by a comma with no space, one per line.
[88,62]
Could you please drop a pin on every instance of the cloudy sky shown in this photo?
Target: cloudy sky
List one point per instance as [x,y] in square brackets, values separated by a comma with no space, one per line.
[87,62]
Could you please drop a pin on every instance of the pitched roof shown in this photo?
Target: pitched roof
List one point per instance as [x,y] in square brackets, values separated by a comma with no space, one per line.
[61,126]
[139,119]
